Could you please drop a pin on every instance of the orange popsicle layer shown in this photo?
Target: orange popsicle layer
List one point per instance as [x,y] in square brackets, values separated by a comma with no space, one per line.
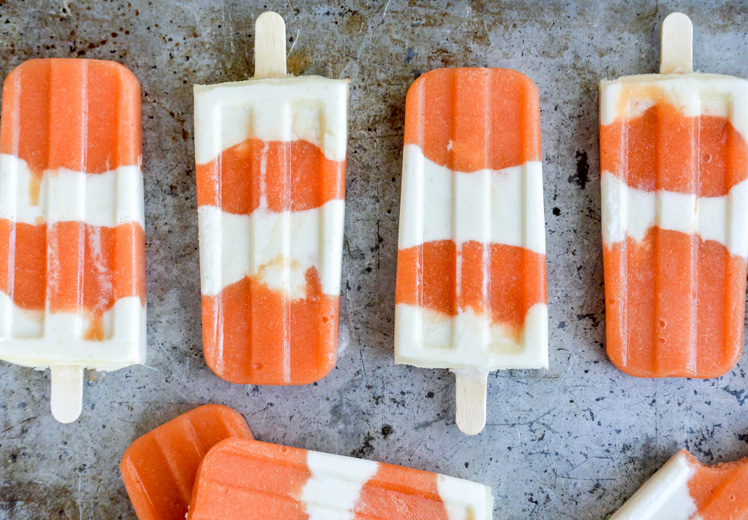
[159,468]
[72,267]
[720,491]
[658,153]
[255,335]
[511,283]
[469,119]
[292,176]
[83,115]
[255,481]
[652,314]
[674,302]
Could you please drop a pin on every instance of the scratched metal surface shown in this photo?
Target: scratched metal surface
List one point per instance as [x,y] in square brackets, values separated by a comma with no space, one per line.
[570,443]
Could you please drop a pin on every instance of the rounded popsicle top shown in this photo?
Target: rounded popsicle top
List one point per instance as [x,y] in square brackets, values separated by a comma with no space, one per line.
[79,114]
[470,119]
[159,468]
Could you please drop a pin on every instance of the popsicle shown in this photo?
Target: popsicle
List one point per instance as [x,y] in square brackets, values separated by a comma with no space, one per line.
[674,163]
[255,480]
[685,489]
[72,260]
[471,282]
[159,468]
[270,156]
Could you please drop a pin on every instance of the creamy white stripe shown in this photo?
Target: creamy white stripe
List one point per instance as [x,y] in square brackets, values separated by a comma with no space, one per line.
[465,500]
[230,113]
[105,199]
[665,496]
[234,246]
[41,339]
[429,339]
[504,206]
[632,212]
[335,485]
[693,94]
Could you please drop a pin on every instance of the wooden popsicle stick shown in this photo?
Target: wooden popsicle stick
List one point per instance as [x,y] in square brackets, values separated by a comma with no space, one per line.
[470,400]
[270,46]
[67,392]
[676,46]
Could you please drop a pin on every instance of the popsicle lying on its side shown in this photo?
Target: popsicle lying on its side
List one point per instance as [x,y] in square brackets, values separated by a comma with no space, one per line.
[270,156]
[674,160]
[72,259]
[685,489]
[254,480]
[159,468]
[471,282]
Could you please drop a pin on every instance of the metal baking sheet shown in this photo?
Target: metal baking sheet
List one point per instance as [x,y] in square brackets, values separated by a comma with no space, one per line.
[570,443]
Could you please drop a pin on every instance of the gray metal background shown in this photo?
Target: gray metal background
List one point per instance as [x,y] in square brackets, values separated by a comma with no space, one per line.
[570,443]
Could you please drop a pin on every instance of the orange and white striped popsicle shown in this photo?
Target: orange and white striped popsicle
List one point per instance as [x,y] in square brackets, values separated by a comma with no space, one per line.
[471,282]
[254,480]
[159,468]
[270,156]
[674,161]
[72,259]
[685,489]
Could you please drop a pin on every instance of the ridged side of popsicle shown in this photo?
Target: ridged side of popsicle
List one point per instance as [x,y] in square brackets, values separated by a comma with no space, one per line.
[270,185]
[675,223]
[72,242]
[471,260]
[269,481]
[159,468]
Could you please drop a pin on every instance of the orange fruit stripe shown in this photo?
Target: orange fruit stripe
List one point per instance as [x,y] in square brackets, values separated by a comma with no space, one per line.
[255,335]
[83,115]
[293,176]
[159,468]
[72,267]
[506,282]
[674,305]
[719,491]
[397,492]
[252,480]
[469,119]
[655,151]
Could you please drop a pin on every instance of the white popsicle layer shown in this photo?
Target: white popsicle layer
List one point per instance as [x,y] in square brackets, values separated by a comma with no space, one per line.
[335,485]
[487,206]
[311,108]
[632,212]
[98,199]
[276,248]
[665,496]
[692,94]
[42,339]
[430,339]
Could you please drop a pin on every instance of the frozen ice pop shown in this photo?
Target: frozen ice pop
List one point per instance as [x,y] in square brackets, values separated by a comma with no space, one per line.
[270,156]
[159,468]
[471,283]
[685,489]
[254,480]
[674,163]
[72,260]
